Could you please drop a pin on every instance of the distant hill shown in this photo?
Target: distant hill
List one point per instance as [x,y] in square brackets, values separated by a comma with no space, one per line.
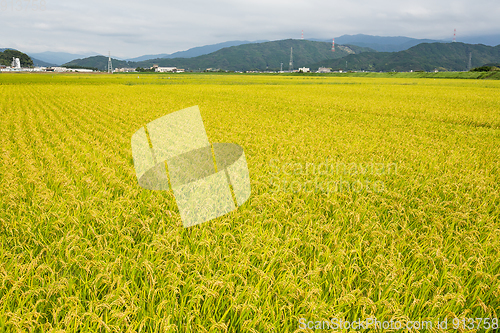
[36,62]
[270,55]
[383,44]
[40,63]
[255,56]
[99,62]
[262,56]
[380,43]
[6,56]
[148,56]
[400,43]
[424,57]
[58,58]
[195,51]
[491,40]
[377,43]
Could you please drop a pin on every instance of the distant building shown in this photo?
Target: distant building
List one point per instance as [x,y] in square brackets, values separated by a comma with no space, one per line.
[124,70]
[64,69]
[16,63]
[166,69]
[13,69]
[304,70]
[324,70]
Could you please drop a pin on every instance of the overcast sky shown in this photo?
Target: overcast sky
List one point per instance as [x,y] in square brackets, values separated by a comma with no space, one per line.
[134,28]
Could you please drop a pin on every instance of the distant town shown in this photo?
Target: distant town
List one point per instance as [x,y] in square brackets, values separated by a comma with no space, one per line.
[16,67]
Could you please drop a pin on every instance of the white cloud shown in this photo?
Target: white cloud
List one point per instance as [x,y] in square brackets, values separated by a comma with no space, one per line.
[132,28]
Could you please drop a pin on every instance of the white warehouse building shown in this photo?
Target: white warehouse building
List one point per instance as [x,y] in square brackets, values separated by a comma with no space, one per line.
[169,69]
[16,63]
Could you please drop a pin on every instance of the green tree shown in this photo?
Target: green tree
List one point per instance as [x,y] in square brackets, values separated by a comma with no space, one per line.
[7,55]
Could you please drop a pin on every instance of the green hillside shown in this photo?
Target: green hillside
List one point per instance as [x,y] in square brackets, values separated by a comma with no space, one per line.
[258,56]
[422,57]
[7,55]
[99,62]
[262,56]
[270,55]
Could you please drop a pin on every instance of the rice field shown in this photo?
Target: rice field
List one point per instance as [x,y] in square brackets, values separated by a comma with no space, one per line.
[371,198]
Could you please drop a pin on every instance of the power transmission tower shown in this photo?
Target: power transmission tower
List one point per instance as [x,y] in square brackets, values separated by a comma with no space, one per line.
[470,60]
[110,65]
[290,66]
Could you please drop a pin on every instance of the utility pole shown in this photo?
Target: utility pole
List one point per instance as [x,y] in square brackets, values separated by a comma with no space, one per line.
[110,65]
[290,65]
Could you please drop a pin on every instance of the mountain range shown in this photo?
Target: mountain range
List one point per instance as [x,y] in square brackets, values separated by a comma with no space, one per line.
[195,51]
[50,58]
[58,58]
[380,43]
[422,57]
[359,51]
[400,43]
[377,43]
[255,56]
[273,55]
